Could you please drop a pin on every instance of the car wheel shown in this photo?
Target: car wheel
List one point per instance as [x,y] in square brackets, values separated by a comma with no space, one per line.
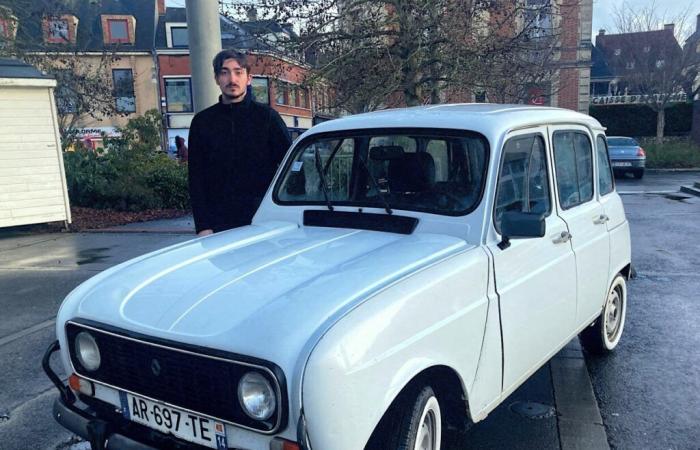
[604,335]
[414,423]
[638,174]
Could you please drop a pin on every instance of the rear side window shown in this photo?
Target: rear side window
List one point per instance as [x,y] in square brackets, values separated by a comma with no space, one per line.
[573,159]
[605,178]
[522,181]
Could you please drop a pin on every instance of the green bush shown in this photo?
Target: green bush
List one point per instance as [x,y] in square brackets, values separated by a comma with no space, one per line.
[672,154]
[640,120]
[130,175]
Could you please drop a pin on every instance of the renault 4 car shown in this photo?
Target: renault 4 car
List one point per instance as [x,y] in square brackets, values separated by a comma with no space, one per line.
[406,271]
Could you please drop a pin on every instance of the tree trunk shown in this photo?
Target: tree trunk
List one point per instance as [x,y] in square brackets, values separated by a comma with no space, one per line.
[660,124]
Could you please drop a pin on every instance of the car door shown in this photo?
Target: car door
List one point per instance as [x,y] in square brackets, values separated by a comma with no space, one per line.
[535,277]
[577,204]
[613,210]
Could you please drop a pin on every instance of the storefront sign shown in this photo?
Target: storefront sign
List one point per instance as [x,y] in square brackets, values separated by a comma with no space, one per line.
[681,97]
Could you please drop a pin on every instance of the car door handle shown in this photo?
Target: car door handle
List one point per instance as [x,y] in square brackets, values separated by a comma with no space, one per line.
[601,219]
[565,236]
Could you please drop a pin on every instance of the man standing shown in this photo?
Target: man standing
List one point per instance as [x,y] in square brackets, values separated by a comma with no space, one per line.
[235,147]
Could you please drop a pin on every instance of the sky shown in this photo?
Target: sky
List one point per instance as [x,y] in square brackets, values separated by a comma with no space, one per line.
[603,10]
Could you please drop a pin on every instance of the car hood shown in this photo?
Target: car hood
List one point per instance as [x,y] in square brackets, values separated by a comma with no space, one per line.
[262,290]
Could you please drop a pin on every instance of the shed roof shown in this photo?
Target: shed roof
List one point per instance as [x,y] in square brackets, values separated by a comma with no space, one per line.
[14,68]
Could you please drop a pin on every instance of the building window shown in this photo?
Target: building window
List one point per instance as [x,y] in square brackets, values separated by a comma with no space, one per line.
[178,37]
[647,49]
[117,31]
[125,98]
[630,65]
[57,31]
[480,97]
[261,90]
[178,95]
[281,93]
[303,98]
[292,96]
[618,51]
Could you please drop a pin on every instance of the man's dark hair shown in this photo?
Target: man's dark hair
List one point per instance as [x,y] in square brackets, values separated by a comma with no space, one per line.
[223,55]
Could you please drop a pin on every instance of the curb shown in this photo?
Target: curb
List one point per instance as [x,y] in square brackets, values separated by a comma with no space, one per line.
[578,417]
[692,169]
[119,230]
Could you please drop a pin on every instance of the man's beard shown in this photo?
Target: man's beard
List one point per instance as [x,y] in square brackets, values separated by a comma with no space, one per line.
[234,97]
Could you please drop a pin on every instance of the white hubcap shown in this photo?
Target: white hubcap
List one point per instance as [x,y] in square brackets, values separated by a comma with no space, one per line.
[430,428]
[613,314]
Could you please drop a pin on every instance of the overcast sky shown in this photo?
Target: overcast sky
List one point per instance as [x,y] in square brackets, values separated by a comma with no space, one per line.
[603,10]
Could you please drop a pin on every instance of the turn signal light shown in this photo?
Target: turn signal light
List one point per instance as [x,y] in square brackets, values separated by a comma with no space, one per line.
[81,385]
[282,444]
[641,152]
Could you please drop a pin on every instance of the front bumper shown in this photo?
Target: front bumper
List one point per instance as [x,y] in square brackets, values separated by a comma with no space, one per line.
[106,429]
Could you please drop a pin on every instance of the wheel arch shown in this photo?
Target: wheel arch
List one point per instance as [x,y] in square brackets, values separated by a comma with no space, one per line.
[450,391]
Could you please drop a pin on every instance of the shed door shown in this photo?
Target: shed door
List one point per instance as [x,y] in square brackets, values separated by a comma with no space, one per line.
[31,178]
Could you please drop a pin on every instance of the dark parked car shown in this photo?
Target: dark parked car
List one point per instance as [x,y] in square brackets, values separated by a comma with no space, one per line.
[626,155]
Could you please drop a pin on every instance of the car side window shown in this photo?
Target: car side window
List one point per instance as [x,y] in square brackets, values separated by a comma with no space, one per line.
[605,178]
[573,160]
[522,181]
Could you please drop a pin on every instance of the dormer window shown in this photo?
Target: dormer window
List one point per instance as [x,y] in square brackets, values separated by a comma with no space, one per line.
[176,35]
[118,29]
[8,24]
[60,29]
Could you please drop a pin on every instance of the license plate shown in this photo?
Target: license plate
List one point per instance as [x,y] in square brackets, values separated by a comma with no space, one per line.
[622,164]
[182,424]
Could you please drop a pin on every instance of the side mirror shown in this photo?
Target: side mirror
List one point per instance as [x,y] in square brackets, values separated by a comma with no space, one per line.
[521,225]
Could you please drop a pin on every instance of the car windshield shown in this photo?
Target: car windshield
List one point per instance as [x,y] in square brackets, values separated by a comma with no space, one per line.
[435,171]
[621,141]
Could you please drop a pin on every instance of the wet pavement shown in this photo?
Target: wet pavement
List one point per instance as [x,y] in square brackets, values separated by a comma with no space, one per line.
[649,389]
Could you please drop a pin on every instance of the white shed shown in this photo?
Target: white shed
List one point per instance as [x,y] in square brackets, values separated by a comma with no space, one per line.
[32,178]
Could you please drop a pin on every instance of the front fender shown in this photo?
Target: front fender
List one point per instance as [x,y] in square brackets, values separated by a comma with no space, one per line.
[434,317]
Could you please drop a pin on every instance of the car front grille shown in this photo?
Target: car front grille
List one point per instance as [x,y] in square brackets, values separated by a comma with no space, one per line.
[201,382]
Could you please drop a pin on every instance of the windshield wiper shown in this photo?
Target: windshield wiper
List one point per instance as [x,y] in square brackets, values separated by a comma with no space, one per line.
[324,186]
[387,207]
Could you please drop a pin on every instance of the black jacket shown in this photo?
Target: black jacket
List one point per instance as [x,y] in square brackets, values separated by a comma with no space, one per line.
[234,151]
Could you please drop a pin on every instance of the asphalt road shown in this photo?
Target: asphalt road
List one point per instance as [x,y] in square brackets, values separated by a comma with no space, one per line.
[649,390]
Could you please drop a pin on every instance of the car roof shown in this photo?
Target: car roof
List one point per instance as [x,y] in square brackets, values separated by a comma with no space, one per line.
[488,119]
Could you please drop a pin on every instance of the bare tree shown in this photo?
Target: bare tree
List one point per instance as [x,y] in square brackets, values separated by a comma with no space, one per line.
[391,52]
[84,84]
[655,66]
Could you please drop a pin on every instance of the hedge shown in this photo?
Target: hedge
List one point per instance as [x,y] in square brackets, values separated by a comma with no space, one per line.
[640,120]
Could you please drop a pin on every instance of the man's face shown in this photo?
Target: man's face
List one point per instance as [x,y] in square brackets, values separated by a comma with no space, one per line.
[233,80]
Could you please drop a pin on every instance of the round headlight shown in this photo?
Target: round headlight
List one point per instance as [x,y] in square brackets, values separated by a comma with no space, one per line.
[87,351]
[256,396]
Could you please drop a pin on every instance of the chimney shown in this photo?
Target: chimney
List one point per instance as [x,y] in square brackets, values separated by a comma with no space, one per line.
[601,32]
[697,25]
[670,26]
[161,7]
[252,13]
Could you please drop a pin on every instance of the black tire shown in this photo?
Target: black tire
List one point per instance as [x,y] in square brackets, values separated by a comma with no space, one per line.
[638,174]
[400,427]
[605,333]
